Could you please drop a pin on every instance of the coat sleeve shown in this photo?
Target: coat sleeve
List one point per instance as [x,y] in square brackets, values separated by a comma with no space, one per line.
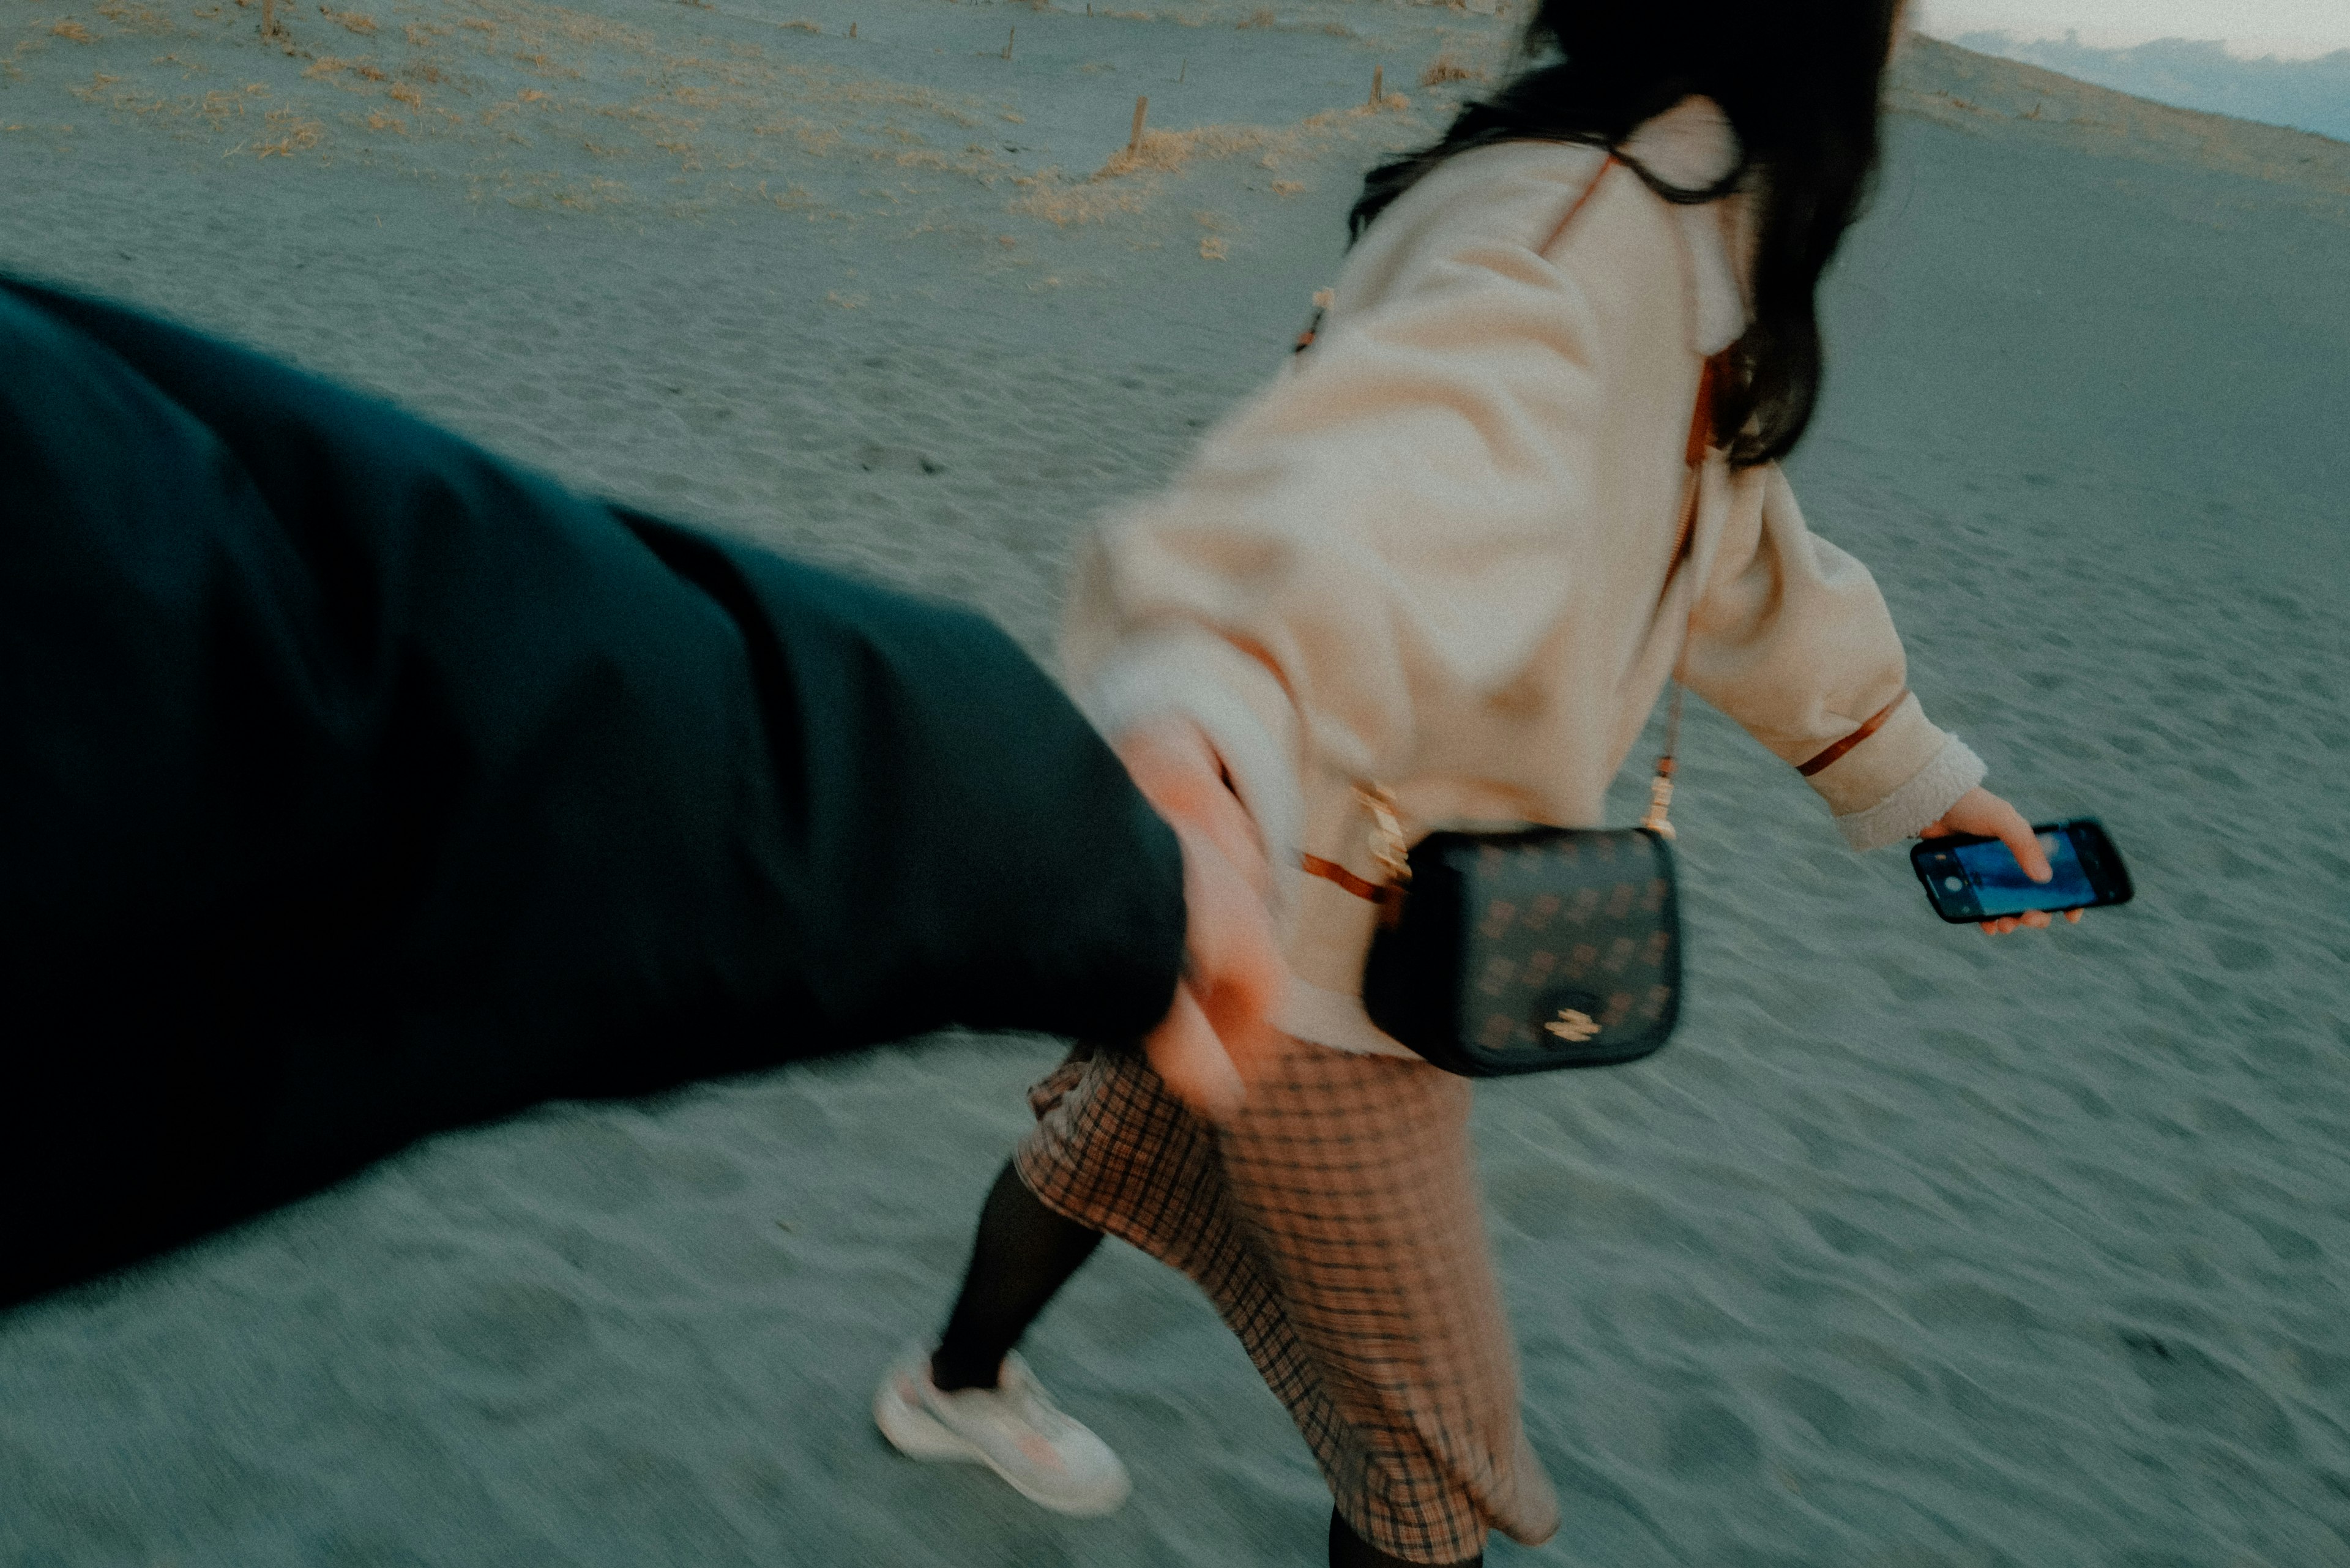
[1790,636]
[358,785]
[1382,532]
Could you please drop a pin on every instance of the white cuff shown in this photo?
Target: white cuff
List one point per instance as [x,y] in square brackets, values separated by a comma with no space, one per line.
[1199,677]
[1931,791]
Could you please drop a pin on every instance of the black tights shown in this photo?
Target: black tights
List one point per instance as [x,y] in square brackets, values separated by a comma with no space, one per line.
[1023,1254]
[1348,1550]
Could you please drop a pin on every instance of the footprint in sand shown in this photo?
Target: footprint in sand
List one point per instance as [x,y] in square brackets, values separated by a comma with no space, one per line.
[875,458]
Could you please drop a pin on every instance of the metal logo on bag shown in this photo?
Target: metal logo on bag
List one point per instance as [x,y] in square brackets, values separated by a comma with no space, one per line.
[1570,1026]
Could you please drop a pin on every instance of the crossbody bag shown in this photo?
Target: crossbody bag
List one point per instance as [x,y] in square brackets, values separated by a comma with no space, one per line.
[1532,948]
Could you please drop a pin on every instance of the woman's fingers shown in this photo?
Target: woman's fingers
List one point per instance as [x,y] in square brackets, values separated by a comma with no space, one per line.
[1177,772]
[2036,919]
[1986,816]
[1190,1059]
[2003,822]
[2025,845]
[1237,970]
[1221,1029]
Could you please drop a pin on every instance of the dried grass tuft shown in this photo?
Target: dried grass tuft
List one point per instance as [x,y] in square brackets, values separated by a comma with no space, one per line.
[1445,69]
[1165,151]
[300,135]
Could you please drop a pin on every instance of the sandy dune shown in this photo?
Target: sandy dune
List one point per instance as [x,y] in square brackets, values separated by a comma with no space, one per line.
[1914,1250]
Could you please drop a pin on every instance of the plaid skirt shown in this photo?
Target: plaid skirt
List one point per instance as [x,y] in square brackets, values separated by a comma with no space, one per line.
[1335,1225]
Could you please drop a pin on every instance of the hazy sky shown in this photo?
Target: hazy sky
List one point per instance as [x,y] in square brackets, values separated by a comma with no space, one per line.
[2299,27]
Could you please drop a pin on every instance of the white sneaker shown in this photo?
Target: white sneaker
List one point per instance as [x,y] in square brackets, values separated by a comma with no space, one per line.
[1013,1428]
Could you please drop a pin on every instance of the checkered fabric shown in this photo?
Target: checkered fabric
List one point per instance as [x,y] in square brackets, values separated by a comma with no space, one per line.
[1336,1227]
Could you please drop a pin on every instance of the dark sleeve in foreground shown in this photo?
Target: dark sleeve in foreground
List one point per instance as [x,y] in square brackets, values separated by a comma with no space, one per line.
[355,785]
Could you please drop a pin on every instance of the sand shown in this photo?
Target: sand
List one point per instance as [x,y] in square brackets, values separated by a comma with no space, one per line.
[1914,1250]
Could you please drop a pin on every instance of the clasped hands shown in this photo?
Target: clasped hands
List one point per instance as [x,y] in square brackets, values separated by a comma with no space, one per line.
[1221,1027]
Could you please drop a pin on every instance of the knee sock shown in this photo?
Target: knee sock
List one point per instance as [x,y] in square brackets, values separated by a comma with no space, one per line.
[1348,1550]
[1023,1254]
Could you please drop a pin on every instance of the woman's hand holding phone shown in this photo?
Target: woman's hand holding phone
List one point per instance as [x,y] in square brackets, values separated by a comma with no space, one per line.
[1984,814]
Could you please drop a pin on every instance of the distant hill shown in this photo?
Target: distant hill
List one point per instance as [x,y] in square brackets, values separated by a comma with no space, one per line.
[2308,95]
[2009,100]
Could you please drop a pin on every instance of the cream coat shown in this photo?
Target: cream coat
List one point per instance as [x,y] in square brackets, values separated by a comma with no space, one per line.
[1438,551]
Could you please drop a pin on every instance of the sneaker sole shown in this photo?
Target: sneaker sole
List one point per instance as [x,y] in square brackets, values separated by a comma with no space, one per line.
[917,1434]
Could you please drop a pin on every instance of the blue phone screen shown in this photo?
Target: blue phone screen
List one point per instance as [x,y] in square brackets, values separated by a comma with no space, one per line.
[2001,888]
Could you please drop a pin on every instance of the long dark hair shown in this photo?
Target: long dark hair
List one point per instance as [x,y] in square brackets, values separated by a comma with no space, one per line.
[1800,80]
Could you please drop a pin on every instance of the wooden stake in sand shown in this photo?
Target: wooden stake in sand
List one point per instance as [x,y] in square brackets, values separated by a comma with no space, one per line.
[1379,84]
[269,18]
[1134,142]
[1007,43]
[852,29]
[1178,74]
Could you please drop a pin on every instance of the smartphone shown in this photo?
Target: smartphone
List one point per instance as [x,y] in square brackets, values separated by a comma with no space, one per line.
[1969,878]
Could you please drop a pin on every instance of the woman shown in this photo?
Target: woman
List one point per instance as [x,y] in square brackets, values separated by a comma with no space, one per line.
[1449,554]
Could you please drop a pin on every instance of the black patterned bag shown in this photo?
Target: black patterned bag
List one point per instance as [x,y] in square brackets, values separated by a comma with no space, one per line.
[1531,950]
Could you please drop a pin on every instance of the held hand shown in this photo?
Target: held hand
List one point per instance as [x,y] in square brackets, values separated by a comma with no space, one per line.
[1222,1024]
[1981,813]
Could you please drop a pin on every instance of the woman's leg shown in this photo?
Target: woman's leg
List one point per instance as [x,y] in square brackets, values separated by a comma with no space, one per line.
[1348,1550]
[1353,1184]
[1022,1257]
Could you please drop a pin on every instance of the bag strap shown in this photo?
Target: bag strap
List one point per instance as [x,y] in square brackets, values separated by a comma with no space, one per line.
[1700,441]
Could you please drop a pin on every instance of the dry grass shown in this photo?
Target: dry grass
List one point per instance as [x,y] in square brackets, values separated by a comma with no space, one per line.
[1445,69]
[352,21]
[1257,19]
[1165,151]
[1213,247]
[401,92]
[1052,197]
[299,135]
[140,18]
[73,32]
